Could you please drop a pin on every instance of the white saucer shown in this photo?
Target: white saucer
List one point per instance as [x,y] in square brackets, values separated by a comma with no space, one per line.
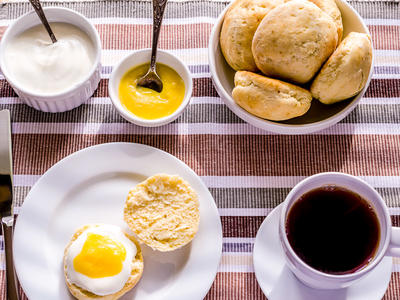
[278,282]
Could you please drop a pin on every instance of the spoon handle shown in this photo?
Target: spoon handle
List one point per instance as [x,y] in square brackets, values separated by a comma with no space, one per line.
[158,13]
[39,11]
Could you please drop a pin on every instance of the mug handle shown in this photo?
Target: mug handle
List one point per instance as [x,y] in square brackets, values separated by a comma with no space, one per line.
[394,245]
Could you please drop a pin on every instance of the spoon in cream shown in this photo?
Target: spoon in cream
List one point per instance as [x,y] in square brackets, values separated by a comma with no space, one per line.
[151,80]
[39,11]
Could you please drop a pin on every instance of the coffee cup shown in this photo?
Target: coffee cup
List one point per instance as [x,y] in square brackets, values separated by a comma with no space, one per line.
[387,237]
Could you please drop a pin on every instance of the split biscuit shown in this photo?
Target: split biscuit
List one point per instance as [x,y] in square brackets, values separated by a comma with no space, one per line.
[163,211]
[330,7]
[346,72]
[269,98]
[240,22]
[293,41]
[136,272]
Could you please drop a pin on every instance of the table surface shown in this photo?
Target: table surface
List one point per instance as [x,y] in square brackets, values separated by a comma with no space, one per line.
[248,171]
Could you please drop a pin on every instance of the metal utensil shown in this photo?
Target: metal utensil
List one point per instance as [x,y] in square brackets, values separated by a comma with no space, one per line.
[6,199]
[151,80]
[39,11]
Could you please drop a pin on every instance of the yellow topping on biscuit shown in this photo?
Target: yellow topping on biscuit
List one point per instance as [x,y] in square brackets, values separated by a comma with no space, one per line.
[100,257]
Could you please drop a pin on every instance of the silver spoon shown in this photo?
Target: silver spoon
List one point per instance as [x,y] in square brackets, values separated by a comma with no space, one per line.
[39,11]
[151,80]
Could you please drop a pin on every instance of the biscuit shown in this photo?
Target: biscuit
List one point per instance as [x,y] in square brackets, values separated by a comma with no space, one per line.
[240,22]
[163,211]
[330,8]
[293,41]
[136,273]
[346,72]
[269,98]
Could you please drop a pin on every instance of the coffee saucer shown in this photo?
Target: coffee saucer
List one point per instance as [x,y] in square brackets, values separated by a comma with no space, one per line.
[278,282]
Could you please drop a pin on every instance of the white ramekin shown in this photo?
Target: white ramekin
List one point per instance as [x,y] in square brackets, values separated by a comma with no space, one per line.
[140,57]
[75,95]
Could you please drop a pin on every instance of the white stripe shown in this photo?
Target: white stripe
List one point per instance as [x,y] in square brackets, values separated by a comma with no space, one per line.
[239,240]
[388,22]
[251,182]
[396,268]
[236,268]
[382,101]
[386,76]
[194,75]
[247,212]
[285,181]
[199,56]
[192,129]
[25,180]
[250,212]
[195,20]
[263,212]
[208,100]
[106,100]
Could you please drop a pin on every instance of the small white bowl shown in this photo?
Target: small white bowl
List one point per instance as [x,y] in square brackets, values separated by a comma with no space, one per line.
[318,117]
[140,57]
[75,95]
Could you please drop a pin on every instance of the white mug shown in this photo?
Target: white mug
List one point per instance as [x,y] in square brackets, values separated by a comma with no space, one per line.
[389,243]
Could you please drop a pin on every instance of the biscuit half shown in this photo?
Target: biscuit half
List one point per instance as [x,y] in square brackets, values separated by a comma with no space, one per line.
[269,98]
[346,72]
[163,211]
[240,22]
[293,41]
[136,273]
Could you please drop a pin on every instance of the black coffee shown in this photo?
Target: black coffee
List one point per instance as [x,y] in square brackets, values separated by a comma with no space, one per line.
[333,230]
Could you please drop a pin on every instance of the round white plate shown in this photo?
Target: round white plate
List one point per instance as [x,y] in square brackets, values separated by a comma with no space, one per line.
[278,282]
[90,186]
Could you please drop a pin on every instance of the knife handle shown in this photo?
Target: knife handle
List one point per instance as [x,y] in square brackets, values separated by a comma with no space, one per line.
[11,283]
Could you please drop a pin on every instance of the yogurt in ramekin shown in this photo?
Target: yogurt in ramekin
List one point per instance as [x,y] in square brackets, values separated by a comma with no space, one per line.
[52,77]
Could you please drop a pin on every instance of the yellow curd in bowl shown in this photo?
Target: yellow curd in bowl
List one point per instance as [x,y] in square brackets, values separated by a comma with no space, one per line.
[146,103]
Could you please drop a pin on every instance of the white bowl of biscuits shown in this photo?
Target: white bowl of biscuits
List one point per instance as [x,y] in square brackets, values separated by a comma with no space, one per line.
[290,67]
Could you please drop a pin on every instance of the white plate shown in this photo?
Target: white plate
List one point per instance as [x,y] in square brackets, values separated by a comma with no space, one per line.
[278,282]
[90,186]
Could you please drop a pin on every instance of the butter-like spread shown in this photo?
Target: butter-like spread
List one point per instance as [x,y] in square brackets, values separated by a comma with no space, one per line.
[146,103]
[40,66]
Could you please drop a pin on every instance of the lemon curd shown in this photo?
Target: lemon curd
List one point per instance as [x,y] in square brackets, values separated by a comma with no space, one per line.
[100,257]
[146,103]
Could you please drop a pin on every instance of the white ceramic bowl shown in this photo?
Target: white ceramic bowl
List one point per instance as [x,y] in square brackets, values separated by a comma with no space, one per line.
[318,117]
[76,94]
[140,57]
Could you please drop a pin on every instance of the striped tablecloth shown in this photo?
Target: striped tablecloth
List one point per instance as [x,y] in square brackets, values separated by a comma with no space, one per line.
[248,171]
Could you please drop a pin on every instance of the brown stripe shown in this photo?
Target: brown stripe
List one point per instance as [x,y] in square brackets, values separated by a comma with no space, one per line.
[203,87]
[128,36]
[244,286]
[385,37]
[393,291]
[241,226]
[226,155]
[395,220]
[230,286]
[191,36]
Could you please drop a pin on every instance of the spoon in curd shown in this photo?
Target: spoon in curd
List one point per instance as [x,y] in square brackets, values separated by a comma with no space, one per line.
[39,11]
[151,80]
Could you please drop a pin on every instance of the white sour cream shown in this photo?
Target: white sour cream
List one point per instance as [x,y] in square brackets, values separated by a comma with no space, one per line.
[39,66]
